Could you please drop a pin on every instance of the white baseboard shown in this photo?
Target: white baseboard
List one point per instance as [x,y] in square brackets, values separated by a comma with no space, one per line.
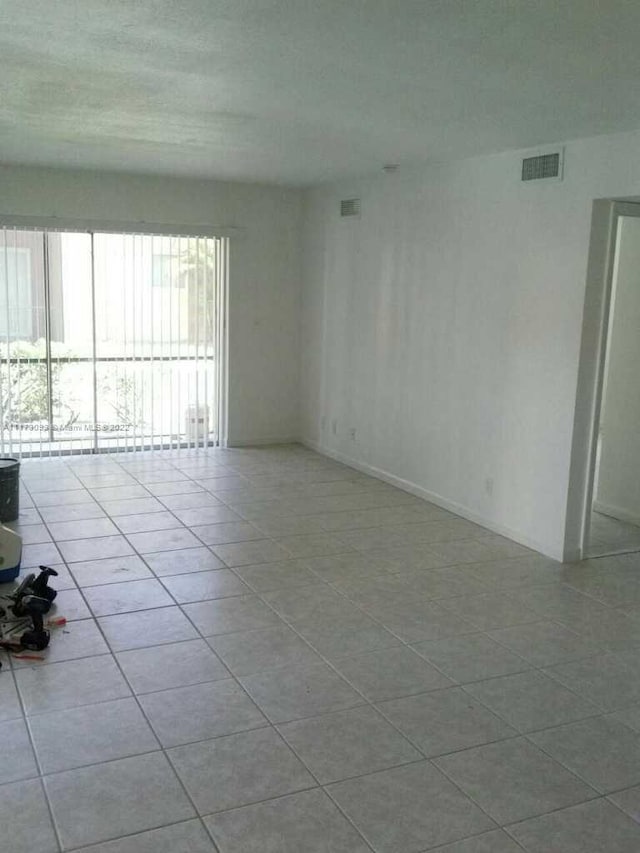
[261,442]
[616,512]
[438,500]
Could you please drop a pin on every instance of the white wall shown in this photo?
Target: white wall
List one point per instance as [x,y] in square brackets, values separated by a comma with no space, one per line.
[618,491]
[264,279]
[445,327]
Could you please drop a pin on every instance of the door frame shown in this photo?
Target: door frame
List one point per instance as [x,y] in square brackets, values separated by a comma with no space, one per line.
[591,372]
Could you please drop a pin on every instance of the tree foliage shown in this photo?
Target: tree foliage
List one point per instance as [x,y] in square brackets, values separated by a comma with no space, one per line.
[23,385]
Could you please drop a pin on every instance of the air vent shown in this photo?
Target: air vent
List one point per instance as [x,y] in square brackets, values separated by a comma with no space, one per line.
[543,167]
[350,207]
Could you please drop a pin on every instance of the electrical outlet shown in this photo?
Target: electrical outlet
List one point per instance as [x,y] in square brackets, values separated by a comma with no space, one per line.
[334,426]
[352,433]
[488,485]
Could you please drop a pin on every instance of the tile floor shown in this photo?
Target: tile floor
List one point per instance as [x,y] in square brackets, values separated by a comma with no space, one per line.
[269,652]
[612,536]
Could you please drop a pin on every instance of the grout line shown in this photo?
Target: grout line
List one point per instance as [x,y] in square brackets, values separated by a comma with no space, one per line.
[96,844]
[36,757]
[153,731]
[368,703]
[165,750]
[325,660]
[236,681]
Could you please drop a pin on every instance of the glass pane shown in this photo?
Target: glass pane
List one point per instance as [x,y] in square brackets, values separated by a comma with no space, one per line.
[24,407]
[125,357]
[72,403]
[120,411]
[155,321]
[69,264]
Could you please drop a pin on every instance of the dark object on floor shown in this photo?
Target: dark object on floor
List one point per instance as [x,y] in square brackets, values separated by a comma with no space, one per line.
[9,489]
[32,600]
[34,586]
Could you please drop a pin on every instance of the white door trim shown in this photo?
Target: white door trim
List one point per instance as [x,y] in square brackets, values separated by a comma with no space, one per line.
[595,323]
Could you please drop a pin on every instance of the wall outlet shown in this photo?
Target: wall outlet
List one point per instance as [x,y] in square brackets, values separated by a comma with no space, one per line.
[334,426]
[352,433]
[488,485]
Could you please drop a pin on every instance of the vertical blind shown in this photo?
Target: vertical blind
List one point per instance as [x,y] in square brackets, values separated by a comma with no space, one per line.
[110,341]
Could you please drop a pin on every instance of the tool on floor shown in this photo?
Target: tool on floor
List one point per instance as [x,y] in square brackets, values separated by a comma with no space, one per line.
[34,586]
[28,657]
[30,603]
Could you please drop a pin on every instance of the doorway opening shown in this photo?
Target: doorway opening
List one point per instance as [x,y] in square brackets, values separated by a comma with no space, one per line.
[110,341]
[615,517]
[603,510]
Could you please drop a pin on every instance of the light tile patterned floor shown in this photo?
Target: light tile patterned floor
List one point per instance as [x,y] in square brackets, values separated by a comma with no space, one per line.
[269,652]
[612,536]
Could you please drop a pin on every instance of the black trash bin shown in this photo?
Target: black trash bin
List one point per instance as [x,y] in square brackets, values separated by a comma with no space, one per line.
[9,489]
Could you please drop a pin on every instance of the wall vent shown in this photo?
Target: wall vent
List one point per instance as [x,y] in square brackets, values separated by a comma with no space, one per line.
[350,207]
[546,166]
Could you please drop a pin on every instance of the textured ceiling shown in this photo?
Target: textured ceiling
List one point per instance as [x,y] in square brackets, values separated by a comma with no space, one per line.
[300,91]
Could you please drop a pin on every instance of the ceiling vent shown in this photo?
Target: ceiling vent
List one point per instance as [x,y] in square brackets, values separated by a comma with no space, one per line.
[543,167]
[350,207]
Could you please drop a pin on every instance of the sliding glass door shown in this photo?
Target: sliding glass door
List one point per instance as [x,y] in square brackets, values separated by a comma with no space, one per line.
[110,341]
